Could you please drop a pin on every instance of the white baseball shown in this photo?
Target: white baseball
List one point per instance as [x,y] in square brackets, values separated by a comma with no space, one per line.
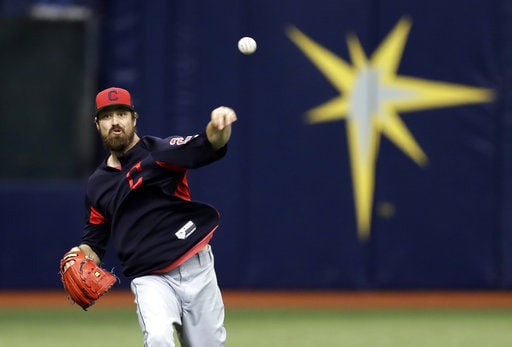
[247,45]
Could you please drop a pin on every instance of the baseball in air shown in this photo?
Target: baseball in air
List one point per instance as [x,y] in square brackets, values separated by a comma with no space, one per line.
[247,45]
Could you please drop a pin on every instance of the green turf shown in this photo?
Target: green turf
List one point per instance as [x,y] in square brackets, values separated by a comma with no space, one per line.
[371,328]
[69,327]
[100,327]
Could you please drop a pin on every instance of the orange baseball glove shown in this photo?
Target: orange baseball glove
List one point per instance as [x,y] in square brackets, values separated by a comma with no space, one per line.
[83,280]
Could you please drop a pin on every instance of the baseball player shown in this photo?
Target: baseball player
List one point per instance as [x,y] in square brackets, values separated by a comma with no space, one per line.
[139,199]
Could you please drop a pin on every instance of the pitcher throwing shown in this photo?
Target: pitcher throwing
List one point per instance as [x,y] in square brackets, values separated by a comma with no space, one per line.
[139,199]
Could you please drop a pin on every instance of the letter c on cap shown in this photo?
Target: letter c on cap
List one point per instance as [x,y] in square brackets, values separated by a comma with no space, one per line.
[112,95]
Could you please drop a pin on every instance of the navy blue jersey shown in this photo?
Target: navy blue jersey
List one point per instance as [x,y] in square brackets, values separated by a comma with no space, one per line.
[144,207]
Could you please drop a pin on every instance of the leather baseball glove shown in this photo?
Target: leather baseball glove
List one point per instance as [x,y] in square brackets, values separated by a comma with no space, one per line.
[83,280]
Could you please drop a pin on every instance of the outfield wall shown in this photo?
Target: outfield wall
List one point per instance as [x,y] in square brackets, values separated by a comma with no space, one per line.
[404,182]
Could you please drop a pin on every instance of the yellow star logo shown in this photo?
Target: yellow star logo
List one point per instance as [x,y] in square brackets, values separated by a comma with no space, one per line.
[371,97]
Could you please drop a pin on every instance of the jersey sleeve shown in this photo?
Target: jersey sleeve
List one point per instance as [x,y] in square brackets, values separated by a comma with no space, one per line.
[188,152]
[96,230]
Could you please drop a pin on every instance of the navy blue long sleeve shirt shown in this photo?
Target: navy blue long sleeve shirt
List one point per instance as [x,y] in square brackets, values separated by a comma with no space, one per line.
[144,207]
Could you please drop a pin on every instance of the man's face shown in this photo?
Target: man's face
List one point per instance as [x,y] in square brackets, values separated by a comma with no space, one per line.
[117,128]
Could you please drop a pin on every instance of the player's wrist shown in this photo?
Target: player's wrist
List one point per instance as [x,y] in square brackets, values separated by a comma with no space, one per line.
[89,253]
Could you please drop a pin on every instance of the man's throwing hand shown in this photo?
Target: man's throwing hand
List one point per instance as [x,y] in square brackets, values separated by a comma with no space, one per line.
[222,117]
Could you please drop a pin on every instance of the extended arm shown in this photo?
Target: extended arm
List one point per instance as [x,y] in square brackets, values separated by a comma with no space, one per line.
[218,130]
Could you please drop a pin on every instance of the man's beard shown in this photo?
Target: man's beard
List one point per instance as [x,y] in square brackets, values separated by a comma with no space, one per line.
[118,143]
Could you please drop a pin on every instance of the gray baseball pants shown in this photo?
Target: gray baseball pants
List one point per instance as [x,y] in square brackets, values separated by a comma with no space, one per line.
[187,299]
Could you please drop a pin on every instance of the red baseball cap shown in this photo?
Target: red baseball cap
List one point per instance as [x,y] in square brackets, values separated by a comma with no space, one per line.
[113,96]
